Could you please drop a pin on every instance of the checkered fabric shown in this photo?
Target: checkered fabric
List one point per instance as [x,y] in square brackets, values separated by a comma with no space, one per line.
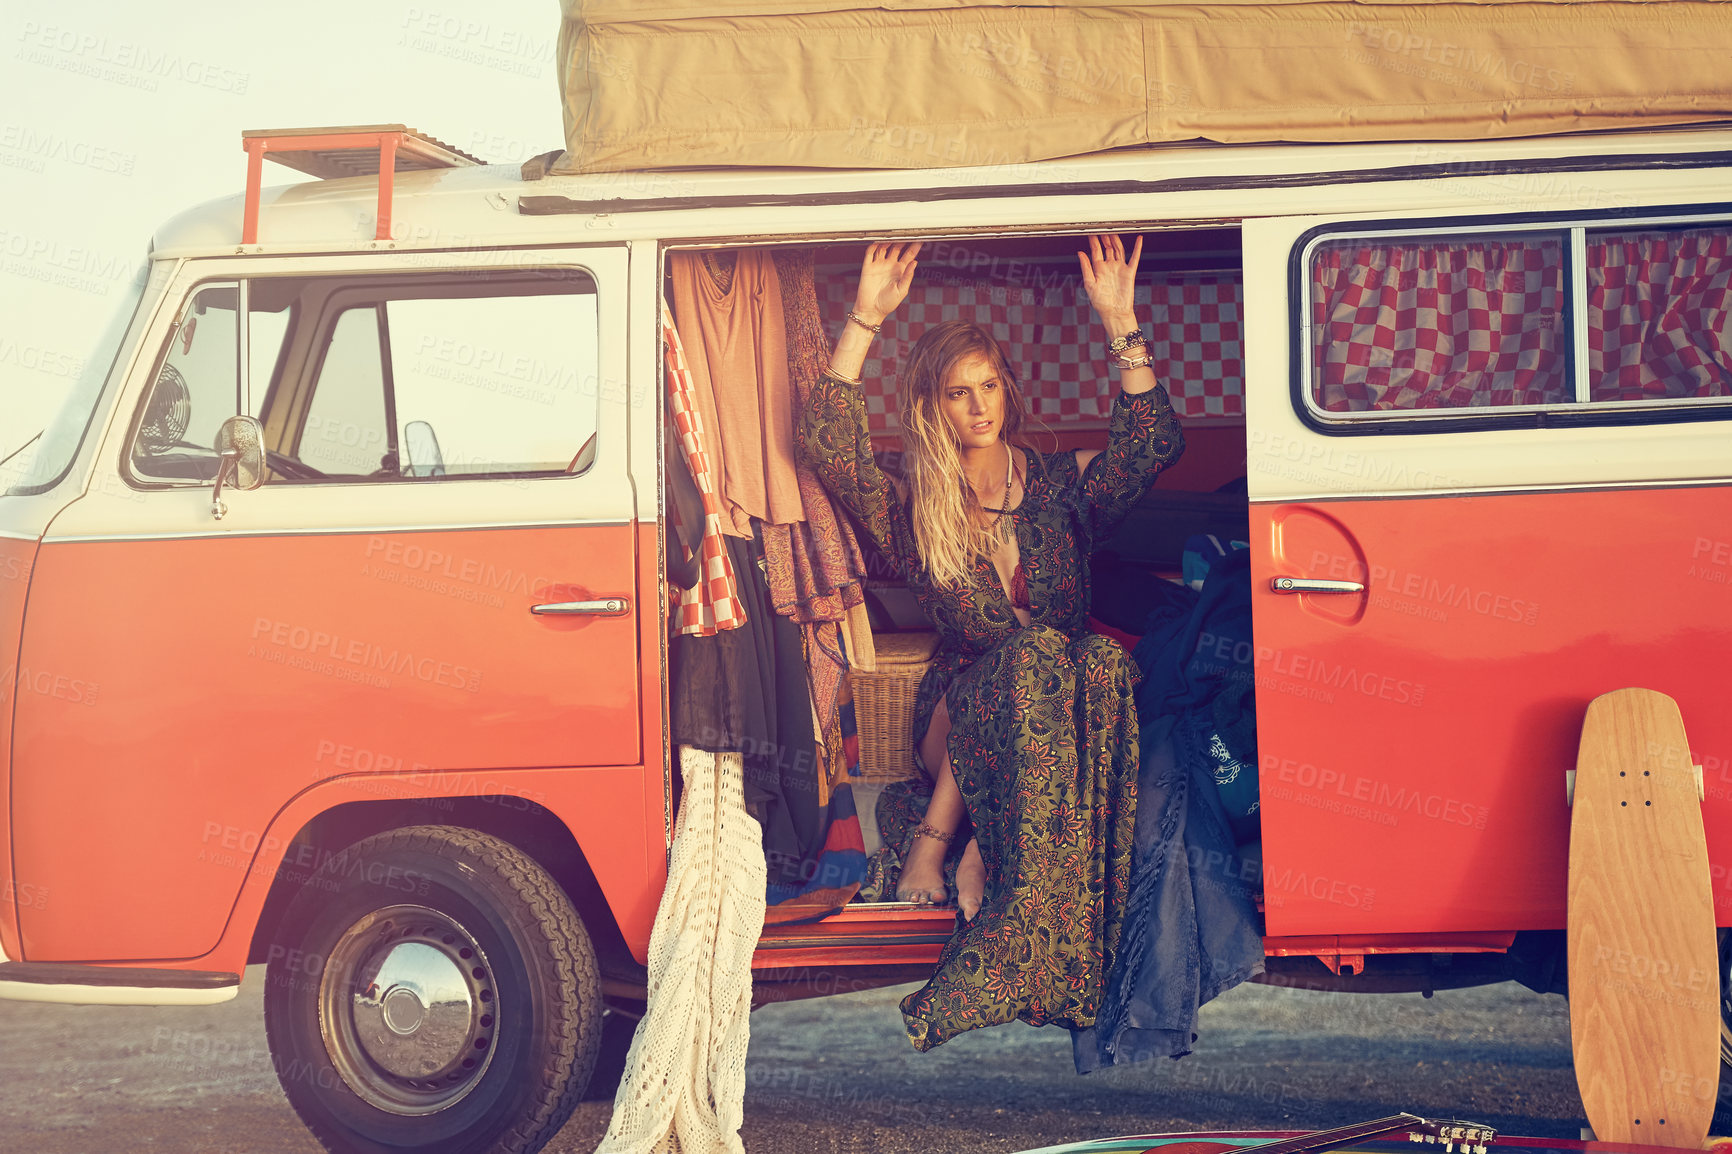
[1658,305]
[713,604]
[1053,342]
[1420,325]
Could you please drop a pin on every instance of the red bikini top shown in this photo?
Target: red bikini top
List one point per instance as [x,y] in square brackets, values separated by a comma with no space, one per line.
[1019,589]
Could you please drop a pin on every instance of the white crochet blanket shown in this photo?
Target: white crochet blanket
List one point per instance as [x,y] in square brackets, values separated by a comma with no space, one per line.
[684,1088]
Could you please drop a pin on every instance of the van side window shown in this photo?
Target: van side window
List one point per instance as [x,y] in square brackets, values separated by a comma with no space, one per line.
[198,386]
[1658,321]
[344,433]
[505,384]
[1424,323]
[427,378]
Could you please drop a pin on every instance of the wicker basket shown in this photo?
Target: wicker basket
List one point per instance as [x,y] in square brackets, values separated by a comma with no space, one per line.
[884,704]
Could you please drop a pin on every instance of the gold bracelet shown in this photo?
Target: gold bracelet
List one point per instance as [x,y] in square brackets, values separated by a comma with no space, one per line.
[856,318]
[839,378]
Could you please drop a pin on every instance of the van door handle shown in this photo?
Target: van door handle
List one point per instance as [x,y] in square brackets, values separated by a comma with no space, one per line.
[606,607]
[1312,585]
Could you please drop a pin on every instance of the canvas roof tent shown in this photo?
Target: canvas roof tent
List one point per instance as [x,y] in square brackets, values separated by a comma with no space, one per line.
[937,83]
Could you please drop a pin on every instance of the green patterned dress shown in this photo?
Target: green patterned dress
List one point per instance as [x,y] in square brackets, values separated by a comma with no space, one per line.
[1043,739]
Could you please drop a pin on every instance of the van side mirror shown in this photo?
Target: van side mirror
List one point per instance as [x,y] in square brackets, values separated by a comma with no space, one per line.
[240,447]
[422,449]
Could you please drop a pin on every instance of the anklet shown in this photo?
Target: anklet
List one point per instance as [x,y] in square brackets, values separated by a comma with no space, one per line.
[924,830]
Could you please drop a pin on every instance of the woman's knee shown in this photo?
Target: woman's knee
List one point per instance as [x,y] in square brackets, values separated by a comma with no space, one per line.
[1104,657]
[1038,640]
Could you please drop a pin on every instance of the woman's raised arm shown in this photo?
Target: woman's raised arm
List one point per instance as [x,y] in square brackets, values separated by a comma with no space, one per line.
[1144,436]
[1110,279]
[833,440]
[885,277]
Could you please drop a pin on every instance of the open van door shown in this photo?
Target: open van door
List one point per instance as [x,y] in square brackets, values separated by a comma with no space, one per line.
[1463,531]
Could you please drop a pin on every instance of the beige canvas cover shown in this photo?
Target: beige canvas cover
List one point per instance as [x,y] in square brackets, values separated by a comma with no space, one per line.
[931,83]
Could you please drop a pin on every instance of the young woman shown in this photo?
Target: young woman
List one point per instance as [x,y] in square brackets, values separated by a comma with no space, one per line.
[1025,722]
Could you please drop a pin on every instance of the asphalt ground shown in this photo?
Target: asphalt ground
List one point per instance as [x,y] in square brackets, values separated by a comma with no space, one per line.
[837,1074]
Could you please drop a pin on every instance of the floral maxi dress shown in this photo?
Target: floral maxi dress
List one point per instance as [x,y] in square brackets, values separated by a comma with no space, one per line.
[1043,740]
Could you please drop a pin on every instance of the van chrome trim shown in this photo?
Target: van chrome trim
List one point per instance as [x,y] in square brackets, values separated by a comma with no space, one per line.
[142,978]
[1576,303]
[73,994]
[9,535]
[335,531]
[1313,585]
[608,607]
[562,205]
[1494,491]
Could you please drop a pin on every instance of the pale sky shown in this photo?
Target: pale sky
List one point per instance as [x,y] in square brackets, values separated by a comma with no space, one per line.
[115,117]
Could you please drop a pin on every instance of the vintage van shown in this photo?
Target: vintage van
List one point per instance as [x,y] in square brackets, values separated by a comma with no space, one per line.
[333,603]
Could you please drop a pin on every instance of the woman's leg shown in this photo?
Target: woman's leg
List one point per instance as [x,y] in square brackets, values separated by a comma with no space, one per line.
[922,877]
[970,880]
[923,868]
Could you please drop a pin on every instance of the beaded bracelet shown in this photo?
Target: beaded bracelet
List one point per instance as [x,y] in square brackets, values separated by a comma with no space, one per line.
[924,830]
[856,318]
[1134,337]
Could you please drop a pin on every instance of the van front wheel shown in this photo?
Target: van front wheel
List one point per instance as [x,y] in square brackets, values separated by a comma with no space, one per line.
[432,989]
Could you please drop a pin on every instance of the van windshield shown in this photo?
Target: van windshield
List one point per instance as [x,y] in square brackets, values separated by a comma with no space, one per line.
[45,459]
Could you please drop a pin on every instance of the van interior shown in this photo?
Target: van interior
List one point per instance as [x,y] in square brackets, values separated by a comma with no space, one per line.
[1027,290]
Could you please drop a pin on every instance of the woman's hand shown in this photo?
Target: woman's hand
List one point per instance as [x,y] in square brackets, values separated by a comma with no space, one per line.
[1111,281]
[885,277]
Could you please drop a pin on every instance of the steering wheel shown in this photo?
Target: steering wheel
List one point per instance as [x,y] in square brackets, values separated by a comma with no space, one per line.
[291,468]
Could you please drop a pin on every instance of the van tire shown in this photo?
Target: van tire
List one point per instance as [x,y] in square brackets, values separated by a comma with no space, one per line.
[479,922]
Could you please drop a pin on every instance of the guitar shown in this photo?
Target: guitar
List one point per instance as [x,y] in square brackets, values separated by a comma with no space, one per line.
[1472,1137]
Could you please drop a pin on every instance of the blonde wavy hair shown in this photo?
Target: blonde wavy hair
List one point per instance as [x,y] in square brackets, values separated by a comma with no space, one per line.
[950,539]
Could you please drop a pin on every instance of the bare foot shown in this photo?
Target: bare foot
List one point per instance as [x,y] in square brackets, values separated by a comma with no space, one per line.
[922,879]
[970,880]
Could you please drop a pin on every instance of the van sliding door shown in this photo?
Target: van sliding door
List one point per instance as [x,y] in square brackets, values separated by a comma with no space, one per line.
[1478,501]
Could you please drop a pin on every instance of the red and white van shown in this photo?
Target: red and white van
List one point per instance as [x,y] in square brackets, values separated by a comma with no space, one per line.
[391,720]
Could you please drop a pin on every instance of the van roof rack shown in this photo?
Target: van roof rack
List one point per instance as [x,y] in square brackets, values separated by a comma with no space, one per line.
[344,150]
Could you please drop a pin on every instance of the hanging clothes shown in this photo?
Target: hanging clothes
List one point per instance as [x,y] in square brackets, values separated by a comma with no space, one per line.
[749,334]
[827,667]
[840,734]
[740,311]
[1190,924]
[825,565]
[748,691]
[713,604]
[730,318]
[684,1087]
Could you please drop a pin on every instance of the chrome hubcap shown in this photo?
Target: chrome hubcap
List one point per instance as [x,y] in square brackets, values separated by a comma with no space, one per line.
[407,1008]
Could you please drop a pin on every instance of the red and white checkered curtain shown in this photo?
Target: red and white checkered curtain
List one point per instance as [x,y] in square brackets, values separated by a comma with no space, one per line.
[1417,325]
[1659,307]
[713,604]
[1058,351]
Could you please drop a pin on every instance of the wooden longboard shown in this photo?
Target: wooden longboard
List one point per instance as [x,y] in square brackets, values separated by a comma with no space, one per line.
[1643,956]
